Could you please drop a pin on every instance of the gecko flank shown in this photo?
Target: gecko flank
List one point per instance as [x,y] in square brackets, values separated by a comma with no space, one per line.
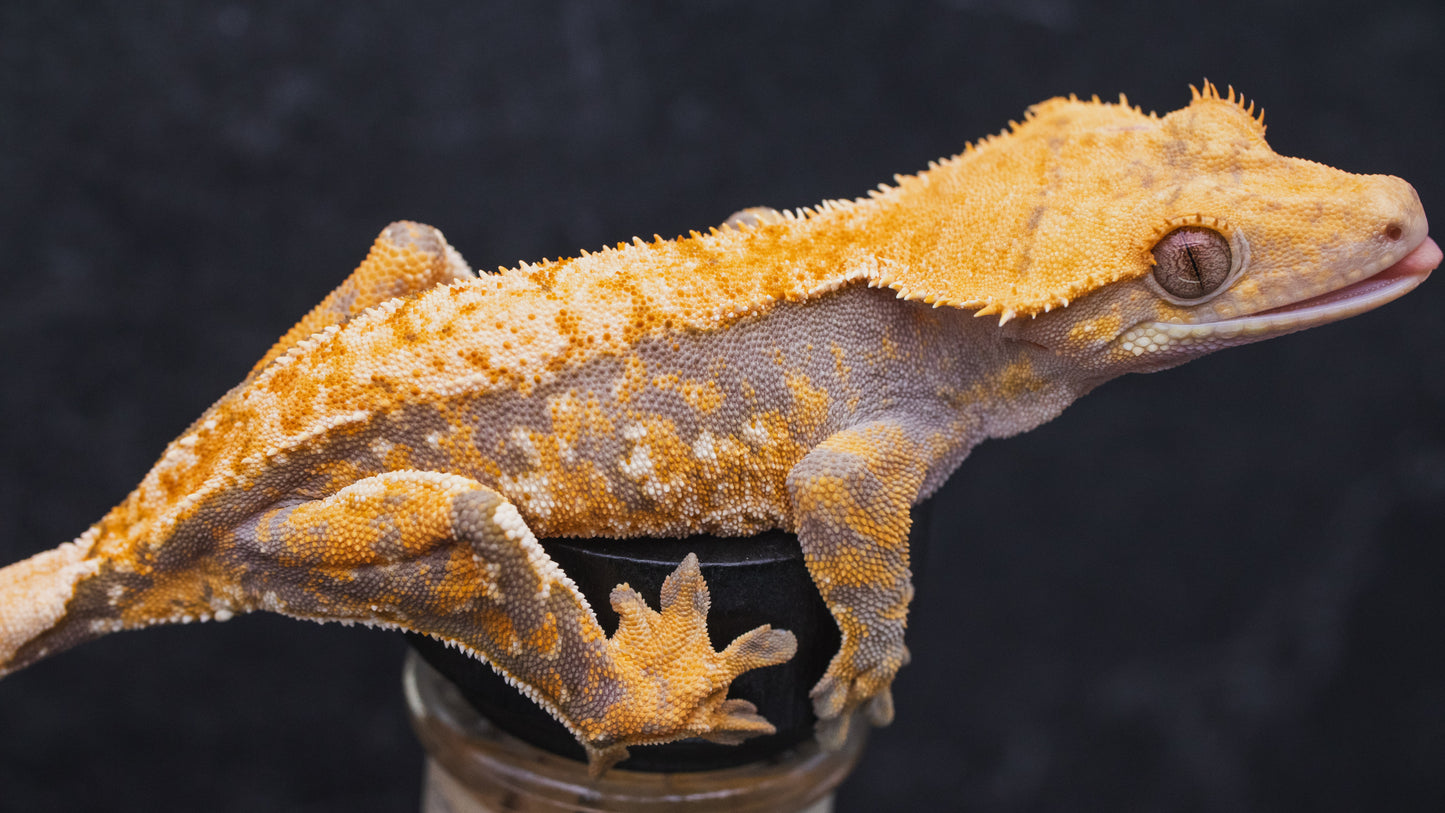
[394,458]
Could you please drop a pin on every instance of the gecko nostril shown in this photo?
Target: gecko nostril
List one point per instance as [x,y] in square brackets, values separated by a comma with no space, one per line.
[1394,232]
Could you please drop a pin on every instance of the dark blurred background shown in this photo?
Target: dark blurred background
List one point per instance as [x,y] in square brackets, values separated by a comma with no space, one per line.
[1215,589]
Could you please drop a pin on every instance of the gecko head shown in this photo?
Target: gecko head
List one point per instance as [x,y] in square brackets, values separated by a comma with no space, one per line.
[1232,243]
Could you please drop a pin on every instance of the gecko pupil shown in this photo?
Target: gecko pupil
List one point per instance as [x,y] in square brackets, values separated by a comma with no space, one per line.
[1191,262]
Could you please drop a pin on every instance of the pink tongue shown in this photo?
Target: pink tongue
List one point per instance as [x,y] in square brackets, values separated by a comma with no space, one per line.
[1424,259]
[1417,263]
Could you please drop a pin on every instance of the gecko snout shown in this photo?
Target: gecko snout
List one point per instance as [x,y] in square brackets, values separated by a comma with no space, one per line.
[1399,214]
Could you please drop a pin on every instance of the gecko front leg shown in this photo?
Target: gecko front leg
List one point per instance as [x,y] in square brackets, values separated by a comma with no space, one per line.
[450,557]
[851,496]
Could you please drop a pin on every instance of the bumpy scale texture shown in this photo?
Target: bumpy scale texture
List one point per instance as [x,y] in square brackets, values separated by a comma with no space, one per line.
[393,459]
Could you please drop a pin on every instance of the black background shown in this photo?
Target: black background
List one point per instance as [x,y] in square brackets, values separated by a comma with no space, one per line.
[1213,589]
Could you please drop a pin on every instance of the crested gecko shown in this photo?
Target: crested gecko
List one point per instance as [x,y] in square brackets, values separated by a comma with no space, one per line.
[395,456]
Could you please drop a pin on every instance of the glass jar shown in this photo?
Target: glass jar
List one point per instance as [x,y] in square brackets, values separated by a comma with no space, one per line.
[474,767]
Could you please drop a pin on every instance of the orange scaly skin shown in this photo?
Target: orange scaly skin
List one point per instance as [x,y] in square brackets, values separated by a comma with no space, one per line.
[394,457]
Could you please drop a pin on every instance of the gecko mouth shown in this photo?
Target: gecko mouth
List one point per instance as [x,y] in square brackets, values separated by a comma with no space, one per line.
[1369,293]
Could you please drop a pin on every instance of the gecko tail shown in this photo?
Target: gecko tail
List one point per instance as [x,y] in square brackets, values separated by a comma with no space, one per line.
[43,606]
[92,587]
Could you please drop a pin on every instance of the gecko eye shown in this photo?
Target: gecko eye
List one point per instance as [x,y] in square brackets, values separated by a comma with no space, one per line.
[1191,262]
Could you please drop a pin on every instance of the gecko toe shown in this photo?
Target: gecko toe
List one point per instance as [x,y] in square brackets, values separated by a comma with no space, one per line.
[830,697]
[738,721]
[832,733]
[628,603]
[763,646]
[684,591]
[880,708]
[599,760]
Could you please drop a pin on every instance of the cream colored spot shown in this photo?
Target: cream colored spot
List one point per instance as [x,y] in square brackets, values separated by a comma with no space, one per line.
[178,457]
[510,522]
[756,433]
[703,448]
[565,449]
[639,464]
[534,489]
[523,443]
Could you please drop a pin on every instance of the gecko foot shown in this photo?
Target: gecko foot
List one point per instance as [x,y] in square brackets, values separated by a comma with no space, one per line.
[676,684]
[844,690]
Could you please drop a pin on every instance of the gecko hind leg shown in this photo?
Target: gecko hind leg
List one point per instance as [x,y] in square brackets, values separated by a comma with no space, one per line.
[406,259]
[449,557]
